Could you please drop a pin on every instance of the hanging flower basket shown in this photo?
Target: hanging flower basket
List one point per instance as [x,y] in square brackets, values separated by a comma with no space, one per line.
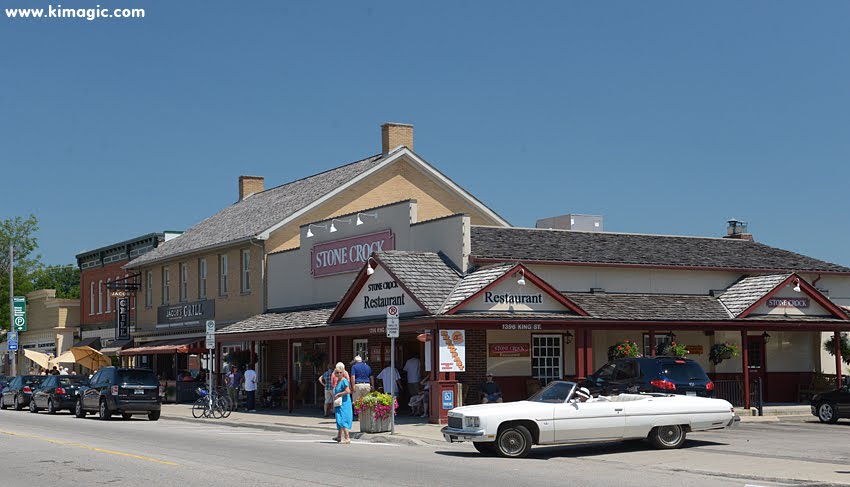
[673,349]
[375,413]
[722,351]
[626,348]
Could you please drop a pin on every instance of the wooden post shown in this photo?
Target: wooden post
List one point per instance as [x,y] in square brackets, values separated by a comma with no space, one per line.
[254,355]
[746,368]
[588,351]
[651,343]
[289,374]
[837,339]
[580,362]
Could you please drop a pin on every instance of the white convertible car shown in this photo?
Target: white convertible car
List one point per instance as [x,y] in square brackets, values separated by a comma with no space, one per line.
[557,415]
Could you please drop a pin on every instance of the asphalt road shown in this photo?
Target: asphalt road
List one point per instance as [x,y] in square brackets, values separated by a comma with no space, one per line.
[61,450]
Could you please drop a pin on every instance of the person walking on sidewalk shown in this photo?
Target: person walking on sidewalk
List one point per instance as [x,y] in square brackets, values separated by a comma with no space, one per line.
[234,381]
[251,388]
[342,405]
[327,381]
[361,375]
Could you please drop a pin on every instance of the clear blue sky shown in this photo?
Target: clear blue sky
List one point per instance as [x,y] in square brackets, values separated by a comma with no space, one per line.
[665,117]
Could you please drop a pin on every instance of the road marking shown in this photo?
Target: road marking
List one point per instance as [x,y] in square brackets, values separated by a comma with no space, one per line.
[353,442]
[91,448]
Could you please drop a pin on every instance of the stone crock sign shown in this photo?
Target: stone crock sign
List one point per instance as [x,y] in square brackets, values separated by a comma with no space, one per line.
[348,255]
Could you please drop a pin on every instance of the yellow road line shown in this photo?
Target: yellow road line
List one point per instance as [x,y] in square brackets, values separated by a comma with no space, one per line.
[87,447]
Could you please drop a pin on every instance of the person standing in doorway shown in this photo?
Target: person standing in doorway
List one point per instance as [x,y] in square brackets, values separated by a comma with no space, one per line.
[361,375]
[251,388]
[411,368]
[390,378]
[327,382]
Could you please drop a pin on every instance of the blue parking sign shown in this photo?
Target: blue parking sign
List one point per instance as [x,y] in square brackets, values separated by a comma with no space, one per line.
[448,399]
[12,339]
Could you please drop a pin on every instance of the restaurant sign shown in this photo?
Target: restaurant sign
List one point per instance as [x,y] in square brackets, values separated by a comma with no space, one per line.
[788,303]
[509,350]
[348,255]
[186,312]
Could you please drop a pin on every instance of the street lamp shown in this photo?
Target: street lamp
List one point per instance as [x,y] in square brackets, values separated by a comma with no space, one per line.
[765,337]
[568,337]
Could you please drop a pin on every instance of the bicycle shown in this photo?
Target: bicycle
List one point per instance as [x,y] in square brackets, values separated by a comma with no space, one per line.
[210,405]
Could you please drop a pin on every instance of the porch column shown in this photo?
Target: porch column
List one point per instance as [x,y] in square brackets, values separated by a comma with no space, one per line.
[588,351]
[579,357]
[216,364]
[837,340]
[651,343]
[746,368]
[289,398]
[254,354]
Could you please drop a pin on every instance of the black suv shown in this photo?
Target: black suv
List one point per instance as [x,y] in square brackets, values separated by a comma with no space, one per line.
[57,392]
[19,391]
[669,375]
[119,390]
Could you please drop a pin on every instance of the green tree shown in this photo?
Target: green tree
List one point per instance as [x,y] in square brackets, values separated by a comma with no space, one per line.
[20,233]
[64,279]
[829,346]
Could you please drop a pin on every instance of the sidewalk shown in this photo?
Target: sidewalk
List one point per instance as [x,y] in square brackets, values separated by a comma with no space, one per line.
[409,430]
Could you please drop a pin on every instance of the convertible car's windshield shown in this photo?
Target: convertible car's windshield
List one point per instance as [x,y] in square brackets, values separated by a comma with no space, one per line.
[555,392]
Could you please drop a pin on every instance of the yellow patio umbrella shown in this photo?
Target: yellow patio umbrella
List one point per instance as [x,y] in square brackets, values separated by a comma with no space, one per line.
[85,356]
[42,359]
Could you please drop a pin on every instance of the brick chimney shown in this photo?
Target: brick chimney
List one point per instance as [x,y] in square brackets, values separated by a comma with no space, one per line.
[394,135]
[249,185]
[738,230]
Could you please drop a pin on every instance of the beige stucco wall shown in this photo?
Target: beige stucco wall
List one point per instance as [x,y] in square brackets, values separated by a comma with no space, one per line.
[49,320]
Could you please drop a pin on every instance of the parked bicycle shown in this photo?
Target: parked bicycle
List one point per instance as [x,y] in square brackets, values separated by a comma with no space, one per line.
[211,405]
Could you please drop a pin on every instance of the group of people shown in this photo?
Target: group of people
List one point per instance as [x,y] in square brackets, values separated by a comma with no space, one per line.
[57,371]
[245,379]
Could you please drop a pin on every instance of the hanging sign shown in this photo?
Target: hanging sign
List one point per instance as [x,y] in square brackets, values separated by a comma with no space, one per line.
[509,350]
[123,324]
[19,320]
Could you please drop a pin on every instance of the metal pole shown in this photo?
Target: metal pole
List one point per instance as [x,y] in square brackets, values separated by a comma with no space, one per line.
[14,353]
[392,385]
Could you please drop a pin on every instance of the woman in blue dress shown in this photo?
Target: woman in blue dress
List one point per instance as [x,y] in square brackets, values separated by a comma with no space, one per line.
[344,413]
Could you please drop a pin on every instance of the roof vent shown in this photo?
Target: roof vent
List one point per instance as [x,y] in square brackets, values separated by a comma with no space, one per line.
[737,229]
[571,221]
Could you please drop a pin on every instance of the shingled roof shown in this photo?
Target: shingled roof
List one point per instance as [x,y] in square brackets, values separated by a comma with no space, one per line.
[253,215]
[283,320]
[428,275]
[474,282]
[529,245]
[650,307]
[744,293]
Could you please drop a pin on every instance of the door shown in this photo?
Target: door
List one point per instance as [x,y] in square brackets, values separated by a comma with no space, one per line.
[843,403]
[90,397]
[9,391]
[756,364]
[584,421]
[39,395]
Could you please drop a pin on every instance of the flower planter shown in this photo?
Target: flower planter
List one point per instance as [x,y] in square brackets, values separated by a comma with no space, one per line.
[368,423]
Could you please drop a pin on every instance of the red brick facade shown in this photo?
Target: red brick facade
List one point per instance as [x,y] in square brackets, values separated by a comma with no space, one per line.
[99,276]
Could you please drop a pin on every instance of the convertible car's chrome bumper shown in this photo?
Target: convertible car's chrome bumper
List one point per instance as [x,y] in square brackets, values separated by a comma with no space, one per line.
[734,422]
[453,435]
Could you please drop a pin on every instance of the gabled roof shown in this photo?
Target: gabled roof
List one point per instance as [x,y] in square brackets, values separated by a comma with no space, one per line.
[473,283]
[490,244]
[748,291]
[650,307]
[428,276]
[255,214]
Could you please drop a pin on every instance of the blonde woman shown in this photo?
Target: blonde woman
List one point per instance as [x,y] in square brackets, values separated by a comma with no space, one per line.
[342,405]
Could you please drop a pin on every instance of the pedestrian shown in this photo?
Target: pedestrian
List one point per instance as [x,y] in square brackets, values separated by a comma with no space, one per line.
[64,371]
[327,382]
[342,405]
[361,375]
[54,370]
[251,388]
[390,378]
[234,380]
[411,368]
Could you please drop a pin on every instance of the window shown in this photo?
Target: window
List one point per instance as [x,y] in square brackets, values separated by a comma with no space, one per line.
[222,275]
[166,284]
[184,282]
[202,278]
[546,358]
[361,348]
[149,290]
[108,298]
[246,271]
[660,339]
[296,361]
[99,297]
[91,298]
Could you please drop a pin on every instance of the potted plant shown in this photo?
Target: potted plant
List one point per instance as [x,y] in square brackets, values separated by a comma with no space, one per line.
[374,411]
[673,349]
[626,348]
[722,351]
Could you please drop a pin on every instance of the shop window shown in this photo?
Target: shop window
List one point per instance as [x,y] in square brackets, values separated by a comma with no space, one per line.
[184,282]
[202,278]
[91,298]
[660,339]
[99,297]
[108,297]
[222,275]
[246,271]
[546,358]
[149,290]
[361,347]
[297,357]
[166,285]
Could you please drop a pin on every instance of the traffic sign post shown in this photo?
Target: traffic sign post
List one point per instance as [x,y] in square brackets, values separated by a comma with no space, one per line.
[392,334]
[19,320]
[210,347]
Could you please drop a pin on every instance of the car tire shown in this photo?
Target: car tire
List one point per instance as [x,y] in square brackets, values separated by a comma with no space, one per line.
[51,408]
[126,417]
[78,409]
[513,442]
[18,405]
[667,437]
[103,411]
[826,412]
[2,402]
[486,448]
[33,409]
[154,415]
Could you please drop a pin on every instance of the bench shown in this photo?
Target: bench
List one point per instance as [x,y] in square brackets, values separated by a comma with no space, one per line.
[819,383]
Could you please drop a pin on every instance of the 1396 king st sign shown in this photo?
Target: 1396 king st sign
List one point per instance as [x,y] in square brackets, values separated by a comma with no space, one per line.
[186,312]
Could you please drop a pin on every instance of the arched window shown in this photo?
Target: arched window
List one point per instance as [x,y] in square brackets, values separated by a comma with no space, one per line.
[108,299]
[91,298]
[99,297]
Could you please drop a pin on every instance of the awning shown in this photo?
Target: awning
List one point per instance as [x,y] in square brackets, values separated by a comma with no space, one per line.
[93,342]
[181,345]
[116,346]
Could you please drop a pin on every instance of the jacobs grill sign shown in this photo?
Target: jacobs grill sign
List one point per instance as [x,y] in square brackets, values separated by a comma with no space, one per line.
[348,255]
[180,313]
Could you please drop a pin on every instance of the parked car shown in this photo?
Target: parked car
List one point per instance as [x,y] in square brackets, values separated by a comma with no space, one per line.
[120,390]
[830,406]
[57,392]
[670,375]
[19,391]
[557,415]
[4,381]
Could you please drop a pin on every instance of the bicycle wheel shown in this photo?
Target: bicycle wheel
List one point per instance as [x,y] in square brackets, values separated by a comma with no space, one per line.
[221,409]
[199,409]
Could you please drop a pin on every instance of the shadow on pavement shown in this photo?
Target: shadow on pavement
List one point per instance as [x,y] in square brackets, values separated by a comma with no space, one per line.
[584,450]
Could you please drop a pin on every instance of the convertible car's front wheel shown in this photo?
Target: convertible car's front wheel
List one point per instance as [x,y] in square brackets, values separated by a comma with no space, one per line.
[486,448]
[513,442]
[667,437]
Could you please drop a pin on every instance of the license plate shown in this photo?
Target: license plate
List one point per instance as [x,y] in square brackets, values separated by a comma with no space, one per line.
[691,393]
[139,392]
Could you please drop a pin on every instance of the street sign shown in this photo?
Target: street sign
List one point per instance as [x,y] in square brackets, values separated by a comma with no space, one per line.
[392,322]
[20,319]
[210,334]
[123,330]
[12,340]
[448,399]
[119,294]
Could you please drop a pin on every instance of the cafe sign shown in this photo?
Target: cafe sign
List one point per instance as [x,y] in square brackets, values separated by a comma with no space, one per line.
[788,303]
[348,255]
[509,350]
[186,312]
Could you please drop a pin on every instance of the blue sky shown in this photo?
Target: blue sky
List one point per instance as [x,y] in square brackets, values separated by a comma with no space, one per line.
[665,117]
